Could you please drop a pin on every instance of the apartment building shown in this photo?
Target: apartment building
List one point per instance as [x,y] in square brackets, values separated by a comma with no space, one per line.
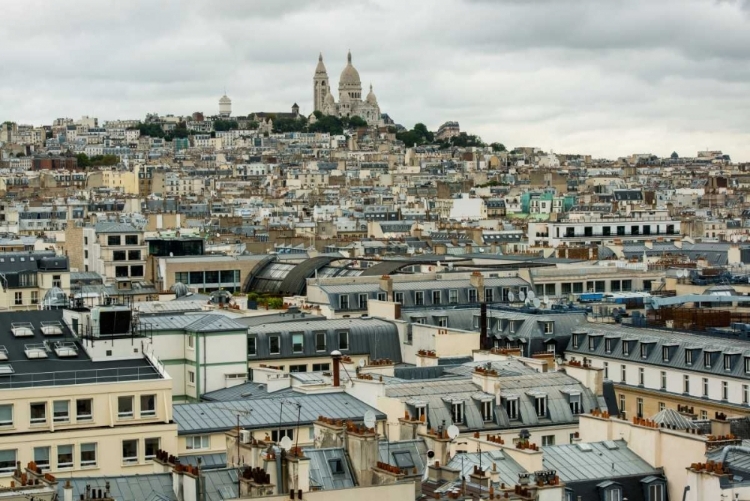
[117,251]
[653,370]
[25,278]
[78,406]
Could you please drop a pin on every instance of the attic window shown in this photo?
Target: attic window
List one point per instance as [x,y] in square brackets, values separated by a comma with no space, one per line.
[403,460]
[336,466]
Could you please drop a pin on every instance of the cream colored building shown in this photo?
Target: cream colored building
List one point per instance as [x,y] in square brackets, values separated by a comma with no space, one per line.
[27,276]
[79,408]
[123,181]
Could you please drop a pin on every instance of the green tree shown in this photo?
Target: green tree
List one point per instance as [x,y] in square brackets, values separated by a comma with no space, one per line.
[327,123]
[104,160]
[253,125]
[83,160]
[151,130]
[418,135]
[281,125]
[225,125]
[275,303]
[356,122]
[318,114]
[498,147]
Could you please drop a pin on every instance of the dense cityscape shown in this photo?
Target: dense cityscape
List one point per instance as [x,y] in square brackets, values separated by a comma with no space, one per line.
[333,305]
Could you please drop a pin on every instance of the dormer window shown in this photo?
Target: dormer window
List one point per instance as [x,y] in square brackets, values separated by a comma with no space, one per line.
[665,353]
[608,345]
[626,348]
[592,343]
[727,362]
[707,360]
[487,411]
[540,405]
[457,412]
[644,350]
[747,365]
[549,327]
[689,359]
[511,408]
[576,340]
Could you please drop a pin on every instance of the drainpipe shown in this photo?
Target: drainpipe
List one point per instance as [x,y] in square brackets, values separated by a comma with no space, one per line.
[336,355]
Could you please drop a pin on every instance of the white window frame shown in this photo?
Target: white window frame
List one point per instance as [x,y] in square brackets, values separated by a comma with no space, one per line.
[126,414]
[623,373]
[398,297]
[419,298]
[129,459]
[457,411]
[663,380]
[158,445]
[488,412]
[344,346]
[191,342]
[63,418]
[72,457]
[344,302]
[362,301]
[705,387]
[147,413]
[42,420]
[301,337]
[5,422]
[452,296]
[686,384]
[11,464]
[549,327]
[270,349]
[191,378]
[540,406]
[724,390]
[197,442]
[641,376]
[88,463]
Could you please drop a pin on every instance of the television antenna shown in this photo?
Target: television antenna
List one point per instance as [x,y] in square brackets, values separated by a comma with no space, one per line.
[238,413]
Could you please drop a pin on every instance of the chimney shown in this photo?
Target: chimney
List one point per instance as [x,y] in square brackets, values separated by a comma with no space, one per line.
[477,281]
[299,473]
[68,491]
[362,447]
[386,285]
[336,355]
[177,482]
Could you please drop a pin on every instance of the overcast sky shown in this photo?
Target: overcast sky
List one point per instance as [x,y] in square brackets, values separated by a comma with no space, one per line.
[604,77]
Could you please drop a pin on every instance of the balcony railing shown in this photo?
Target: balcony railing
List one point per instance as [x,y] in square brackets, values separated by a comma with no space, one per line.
[87,376]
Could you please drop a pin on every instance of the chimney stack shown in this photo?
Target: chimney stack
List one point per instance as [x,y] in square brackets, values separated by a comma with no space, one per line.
[386,285]
[336,355]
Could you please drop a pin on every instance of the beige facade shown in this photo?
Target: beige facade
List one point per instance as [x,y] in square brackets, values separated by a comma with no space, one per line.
[125,182]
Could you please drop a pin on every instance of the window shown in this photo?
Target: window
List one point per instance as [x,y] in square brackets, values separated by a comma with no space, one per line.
[7,461]
[191,378]
[298,368]
[613,495]
[344,302]
[191,342]
[442,321]
[252,346]
[487,414]
[457,412]
[398,297]
[663,384]
[134,255]
[6,415]
[343,340]
[705,387]
[151,445]
[130,451]
[336,466]
[197,442]
[665,353]
[623,373]
[608,345]
[592,343]
[83,409]
[363,301]
[489,295]
[707,360]
[656,492]
[662,406]
[38,412]
[131,239]
[34,297]
[548,440]
[627,285]
[275,436]
[148,406]
[639,407]
[689,357]
[727,362]
[747,365]
[622,402]
[118,255]
[419,298]
[453,296]
[626,348]
[403,460]
[644,351]
[121,271]
[704,415]
[686,384]
[41,457]
[606,370]
[575,404]
[18,296]
[64,456]
[297,342]
[641,375]
[540,404]
[321,367]
[113,239]
[549,328]
[382,296]
[511,407]
[436,297]
[724,390]
[88,455]
[745,395]
[576,340]
[472,296]
[136,271]
[124,407]
[61,411]
[56,281]
[274,344]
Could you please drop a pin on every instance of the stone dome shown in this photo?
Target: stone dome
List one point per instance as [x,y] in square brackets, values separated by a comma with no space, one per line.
[371,99]
[329,99]
[350,75]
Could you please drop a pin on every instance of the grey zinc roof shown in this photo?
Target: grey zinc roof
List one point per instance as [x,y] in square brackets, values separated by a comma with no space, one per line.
[116,227]
[193,322]
[678,342]
[321,475]
[416,449]
[126,488]
[604,460]
[209,417]
[507,468]
[244,391]
[673,419]
[367,336]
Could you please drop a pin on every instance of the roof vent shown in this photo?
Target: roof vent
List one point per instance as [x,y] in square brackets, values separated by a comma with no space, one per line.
[66,349]
[6,369]
[34,351]
[52,328]
[3,353]
[22,329]
[585,447]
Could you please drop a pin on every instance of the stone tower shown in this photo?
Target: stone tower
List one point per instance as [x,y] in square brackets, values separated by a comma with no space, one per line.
[320,85]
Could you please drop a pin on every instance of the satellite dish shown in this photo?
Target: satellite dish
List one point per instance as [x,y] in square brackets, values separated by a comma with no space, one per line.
[285,443]
[453,431]
[522,296]
[511,297]
[362,362]
[527,302]
[536,302]
[545,300]
[370,419]
[530,295]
